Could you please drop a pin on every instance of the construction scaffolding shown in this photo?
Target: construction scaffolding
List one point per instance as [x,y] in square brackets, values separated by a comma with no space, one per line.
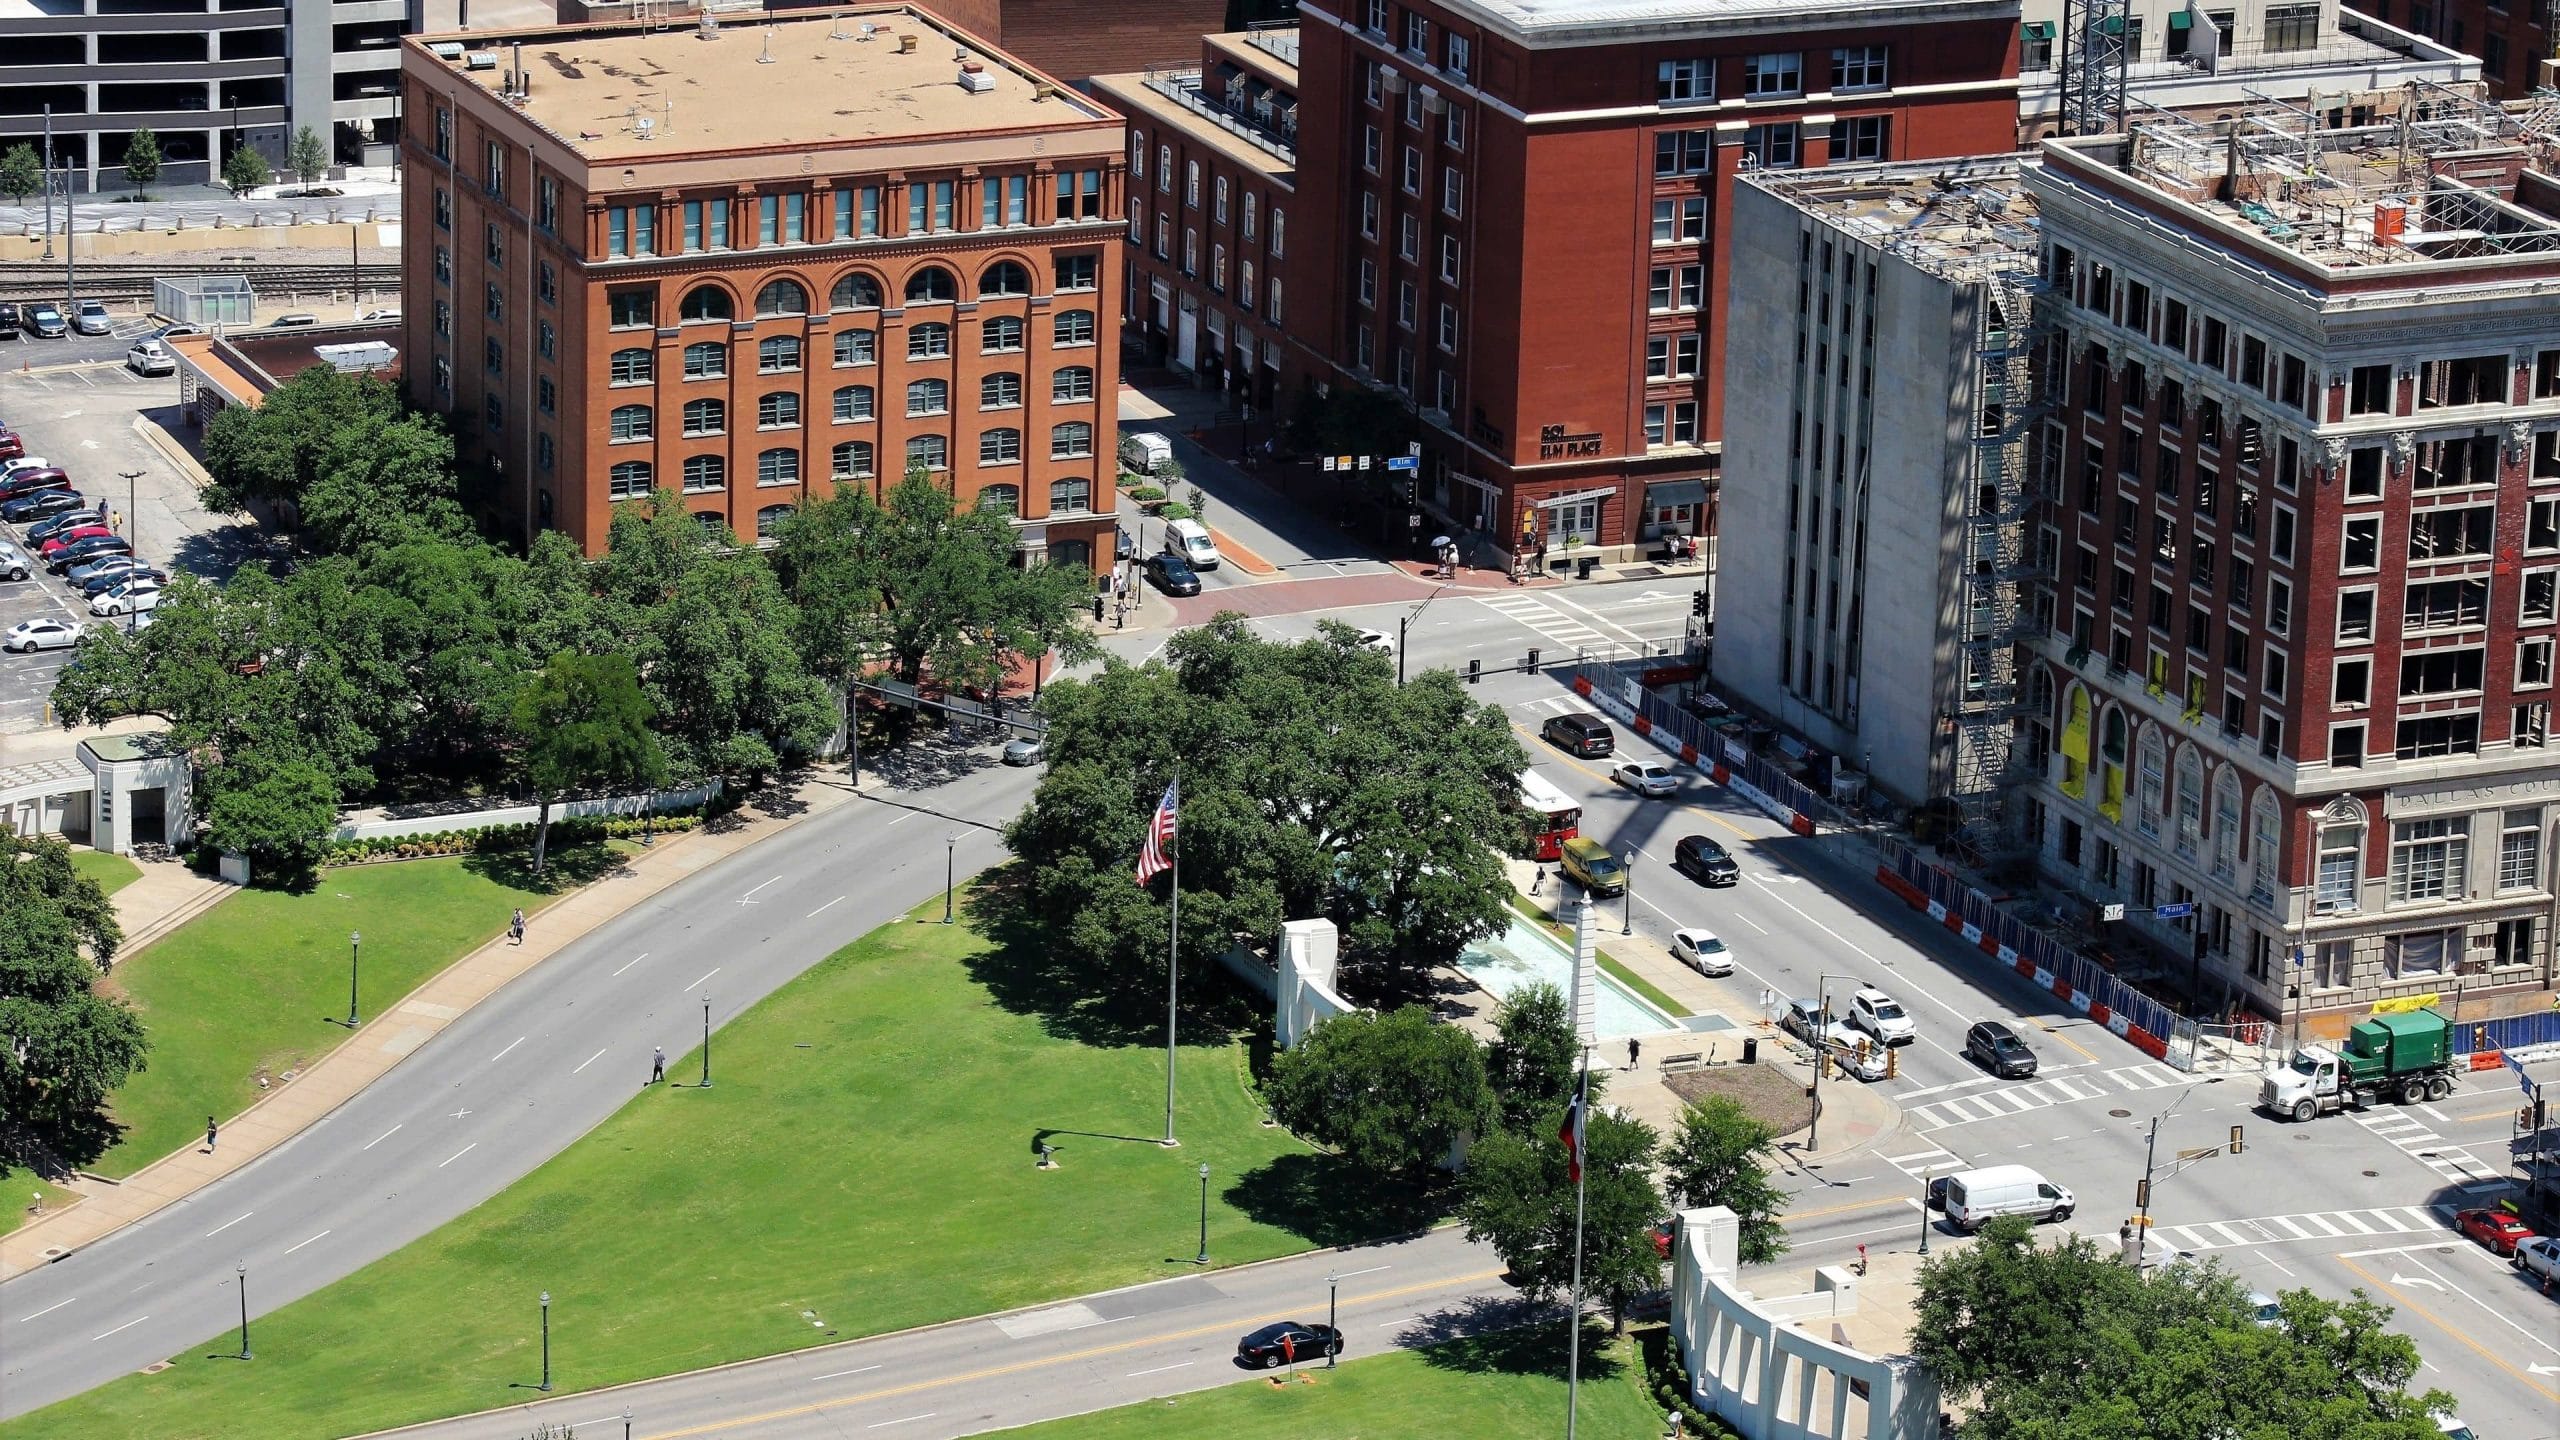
[2095,58]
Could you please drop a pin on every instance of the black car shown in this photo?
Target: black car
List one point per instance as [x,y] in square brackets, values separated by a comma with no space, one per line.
[40,504]
[1705,861]
[1997,1048]
[1584,735]
[100,582]
[8,321]
[81,552]
[61,520]
[1173,575]
[1274,1345]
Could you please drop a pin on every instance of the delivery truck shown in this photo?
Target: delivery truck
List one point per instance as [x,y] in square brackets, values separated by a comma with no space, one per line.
[2406,1057]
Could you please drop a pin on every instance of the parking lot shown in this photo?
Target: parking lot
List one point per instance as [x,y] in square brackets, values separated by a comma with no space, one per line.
[75,404]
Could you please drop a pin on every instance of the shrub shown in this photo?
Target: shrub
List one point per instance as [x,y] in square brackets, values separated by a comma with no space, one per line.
[1147,494]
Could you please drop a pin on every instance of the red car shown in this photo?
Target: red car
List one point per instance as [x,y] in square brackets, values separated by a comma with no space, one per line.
[68,538]
[2496,1229]
[11,447]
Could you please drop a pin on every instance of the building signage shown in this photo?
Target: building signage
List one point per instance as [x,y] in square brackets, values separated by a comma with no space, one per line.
[1555,443]
[2403,1004]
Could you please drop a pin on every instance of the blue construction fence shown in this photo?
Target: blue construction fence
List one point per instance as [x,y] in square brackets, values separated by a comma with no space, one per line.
[2507,1032]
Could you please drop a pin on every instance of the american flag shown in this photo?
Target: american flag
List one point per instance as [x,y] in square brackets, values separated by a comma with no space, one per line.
[1157,856]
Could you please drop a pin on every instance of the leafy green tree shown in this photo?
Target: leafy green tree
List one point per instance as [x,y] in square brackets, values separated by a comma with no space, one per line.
[276,808]
[1535,1059]
[142,161]
[308,156]
[1517,1195]
[1719,1157]
[64,1048]
[245,171]
[584,721]
[277,450]
[381,481]
[1394,1092]
[1312,786]
[21,173]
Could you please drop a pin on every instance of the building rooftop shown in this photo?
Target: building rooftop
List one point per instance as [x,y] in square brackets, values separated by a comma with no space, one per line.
[1573,22]
[1260,137]
[1957,218]
[631,91]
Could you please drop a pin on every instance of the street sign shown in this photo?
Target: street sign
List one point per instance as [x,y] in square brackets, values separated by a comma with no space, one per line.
[1327,464]
[1364,462]
[2179,911]
[896,692]
[2110,912]
[1413,447]
[2205,1153]
[1404,462]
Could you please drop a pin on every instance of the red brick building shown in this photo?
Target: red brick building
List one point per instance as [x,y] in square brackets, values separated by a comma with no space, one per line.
[2513,38]
[753,264]
[1512,214]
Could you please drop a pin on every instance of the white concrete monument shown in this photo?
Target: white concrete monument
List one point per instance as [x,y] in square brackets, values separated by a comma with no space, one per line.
[1586,972]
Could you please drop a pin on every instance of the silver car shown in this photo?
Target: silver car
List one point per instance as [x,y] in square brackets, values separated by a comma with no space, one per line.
[91,318]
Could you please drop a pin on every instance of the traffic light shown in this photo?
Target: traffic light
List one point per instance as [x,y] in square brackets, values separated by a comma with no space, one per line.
[1698,604]
[1475,671]
[1532,666]
[2236,1146]
[2141,1194]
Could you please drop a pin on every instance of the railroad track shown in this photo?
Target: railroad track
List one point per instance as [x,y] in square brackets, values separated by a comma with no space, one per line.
[27,281]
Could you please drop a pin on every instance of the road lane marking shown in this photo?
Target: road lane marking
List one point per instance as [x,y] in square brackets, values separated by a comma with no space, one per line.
[1134,1374]
[707,974]
[750,897]
[227,1224]
[501,1055]
[2483,1351]
[129,1324]
[1398,1322]
[901,1420]
[2458,1289]
[385,1135]
[590,1060]
[821,910]
[49,1309]
[840,1374]
[323,1235]
[634,960]
[458,1154]
[1372,1270]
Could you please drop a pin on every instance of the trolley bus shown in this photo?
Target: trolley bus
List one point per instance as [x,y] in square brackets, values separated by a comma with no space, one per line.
[1550,816]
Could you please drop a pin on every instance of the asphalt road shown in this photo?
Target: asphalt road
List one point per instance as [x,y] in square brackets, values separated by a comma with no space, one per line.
[504,1088]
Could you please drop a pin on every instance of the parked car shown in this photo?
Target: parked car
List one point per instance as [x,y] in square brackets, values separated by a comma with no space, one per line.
[38,505]
[14,564]
[9,321]
[1701,950]
[21,462]
[1882,1016]
[61,540]
[378,317]
[133,601]
[1997,1048]
[297,318]
[91,318]
[62,521]
[1855,1054]
[11,446]
[1803,1019]
[1271,1346]
[22,483]
[150,357]
[173,330]
[1646,777]
[1172,575]
[47,322]
[1126,547]
[1703,860]
[2495,1229]
[81,552]
[1584,735]
[27,637]
[110,570]
[2539,1256]
[2264,1309]
[1023,751]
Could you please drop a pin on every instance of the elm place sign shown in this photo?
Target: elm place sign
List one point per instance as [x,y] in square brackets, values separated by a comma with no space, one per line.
[1555,444]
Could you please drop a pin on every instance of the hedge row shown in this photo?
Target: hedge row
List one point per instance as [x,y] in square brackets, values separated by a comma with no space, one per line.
[486,839]
[1671,1387]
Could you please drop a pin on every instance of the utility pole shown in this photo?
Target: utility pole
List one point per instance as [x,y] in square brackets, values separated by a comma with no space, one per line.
[48,182]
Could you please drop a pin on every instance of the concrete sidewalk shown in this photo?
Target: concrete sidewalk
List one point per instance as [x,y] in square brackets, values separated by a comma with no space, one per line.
[105,1206]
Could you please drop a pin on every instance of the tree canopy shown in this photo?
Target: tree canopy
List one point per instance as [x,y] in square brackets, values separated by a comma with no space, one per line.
[583,721]
[142,160]
[21,172]
[63,1047]
[307,155]
[1535,1058]
[1719,1157]
[1517,1196]
[245,170]
[1313,786]
[1394,1092]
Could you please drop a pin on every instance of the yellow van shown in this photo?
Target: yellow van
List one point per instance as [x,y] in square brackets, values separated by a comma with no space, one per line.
[1593,867]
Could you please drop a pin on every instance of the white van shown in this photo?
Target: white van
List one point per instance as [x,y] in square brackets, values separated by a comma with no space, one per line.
[1143,452]
[1977,1197]
[1190,540]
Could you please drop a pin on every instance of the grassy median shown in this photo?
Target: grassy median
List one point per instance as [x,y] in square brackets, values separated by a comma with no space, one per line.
[864,1162]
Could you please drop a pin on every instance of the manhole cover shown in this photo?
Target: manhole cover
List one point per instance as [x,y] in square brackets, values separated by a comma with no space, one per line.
[2118,1114]
[55,1252]
[155,1367]
[2369,1174]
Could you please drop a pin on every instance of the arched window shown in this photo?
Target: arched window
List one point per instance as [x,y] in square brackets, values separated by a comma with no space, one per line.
[857,347]
[1074,382]
[999,447]
[2151,760]
[769,520]
[777,354]
[779,466]
[634,367]
[929,341]
[2339,876]
[2112,751]
[705,417]
[1003,499]
[2113,744]
[1004,278]
[1071,440]
[1000,391]
[853,460]
[853,403]
[778,410]
[2266,829]
[629,480]
[714,525]
[705,359]
[1070,497]
[854,291]
[1075,327]
[705,302]
[1001,335]
[2075,743]
[705,472]
[930,285]
[2226,825]
[928,397]
[782,297]
[933,452]
[2190,802]
[632,422]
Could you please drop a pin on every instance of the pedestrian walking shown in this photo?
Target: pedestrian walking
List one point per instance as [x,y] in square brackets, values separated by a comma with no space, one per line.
[1632,1051]
[657,1064]
[212,1132]
[515,928]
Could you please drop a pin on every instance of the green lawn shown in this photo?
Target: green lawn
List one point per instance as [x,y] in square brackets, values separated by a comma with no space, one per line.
[112,872]
[260,982]
[18,1190]
[1492,1388]
[864,1162]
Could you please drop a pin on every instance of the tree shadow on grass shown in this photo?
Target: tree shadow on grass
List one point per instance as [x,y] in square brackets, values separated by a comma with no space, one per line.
[1327,1200]
[565,867]
[1025,970]
[1497,1337]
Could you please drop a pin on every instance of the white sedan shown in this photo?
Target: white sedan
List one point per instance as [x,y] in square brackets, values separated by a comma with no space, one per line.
[134,597]
[29,636]
[1646,777]
[1702,951]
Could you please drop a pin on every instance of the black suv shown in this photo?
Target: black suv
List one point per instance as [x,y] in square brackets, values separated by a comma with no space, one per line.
[8,321]
[1705,861]
[1998,1049]
[1584,735]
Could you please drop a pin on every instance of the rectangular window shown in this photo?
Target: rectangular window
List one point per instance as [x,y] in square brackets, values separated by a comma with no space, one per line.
[2350,681]
[769,218]
[2533,662]
[795,215]
[2449,532]
[1682,152]
[1864,137]
[2420,953]
[1764,76]
[2520,850]
[1772,146]
[2541,597]
[617,229]
[1858,67]
[2429,736]
[1681,82]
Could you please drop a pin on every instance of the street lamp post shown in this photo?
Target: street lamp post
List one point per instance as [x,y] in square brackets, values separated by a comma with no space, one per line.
[545,1386]
[1821,1054]
[355,949]
[242,1271]
[1627,926]
[950,866]
[133,514]
[626,1422]
[1333,1316]
[1203,1257]
[706,1041]
[1924,1215]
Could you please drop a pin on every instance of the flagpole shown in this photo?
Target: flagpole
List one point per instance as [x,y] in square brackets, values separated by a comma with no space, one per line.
[1173,965]
[1573,1317]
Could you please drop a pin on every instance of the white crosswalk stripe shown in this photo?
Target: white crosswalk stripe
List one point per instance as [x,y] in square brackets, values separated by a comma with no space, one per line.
[2019,1099]
[1543,618]
[1920,1164]
[2410,1135]
[2146,1077]
[2275,1229]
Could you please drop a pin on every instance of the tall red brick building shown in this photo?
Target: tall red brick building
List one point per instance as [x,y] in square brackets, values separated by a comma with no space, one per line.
[754,264]
[2513,38]
[1512,215]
